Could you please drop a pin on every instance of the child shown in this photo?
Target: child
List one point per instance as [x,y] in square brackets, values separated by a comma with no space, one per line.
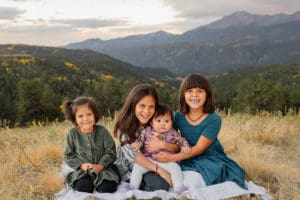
[138,109]
[200,125]
[90,149]
[161,126]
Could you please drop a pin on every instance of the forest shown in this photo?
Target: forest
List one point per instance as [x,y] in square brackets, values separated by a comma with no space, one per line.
[33,85]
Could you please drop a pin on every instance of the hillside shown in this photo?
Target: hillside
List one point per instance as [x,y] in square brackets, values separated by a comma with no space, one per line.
[271,88]
[60,61]
[34,81]
[235,41]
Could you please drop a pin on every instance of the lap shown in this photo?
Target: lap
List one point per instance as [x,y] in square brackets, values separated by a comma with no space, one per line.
[152,182]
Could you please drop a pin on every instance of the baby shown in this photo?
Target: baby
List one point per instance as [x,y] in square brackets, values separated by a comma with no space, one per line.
[161,126]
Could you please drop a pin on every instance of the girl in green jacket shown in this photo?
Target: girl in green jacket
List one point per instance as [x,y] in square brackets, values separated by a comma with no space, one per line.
[90,149]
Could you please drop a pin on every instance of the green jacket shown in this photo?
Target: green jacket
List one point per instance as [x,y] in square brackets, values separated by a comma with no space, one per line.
[96,147]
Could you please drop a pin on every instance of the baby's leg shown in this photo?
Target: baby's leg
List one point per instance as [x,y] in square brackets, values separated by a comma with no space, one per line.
[137,175]
[176,174]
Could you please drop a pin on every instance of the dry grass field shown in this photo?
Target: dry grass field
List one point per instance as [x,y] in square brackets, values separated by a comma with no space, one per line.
[267,146]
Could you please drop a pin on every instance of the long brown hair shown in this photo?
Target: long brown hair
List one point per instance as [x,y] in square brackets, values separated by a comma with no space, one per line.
[127,123]
[195,81]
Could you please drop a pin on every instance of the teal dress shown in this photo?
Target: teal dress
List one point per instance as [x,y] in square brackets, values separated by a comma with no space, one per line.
[213,164]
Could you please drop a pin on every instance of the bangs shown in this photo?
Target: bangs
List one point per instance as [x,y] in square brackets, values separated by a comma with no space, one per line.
[195,82]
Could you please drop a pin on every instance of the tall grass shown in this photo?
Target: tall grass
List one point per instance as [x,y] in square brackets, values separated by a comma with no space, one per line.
[267,146]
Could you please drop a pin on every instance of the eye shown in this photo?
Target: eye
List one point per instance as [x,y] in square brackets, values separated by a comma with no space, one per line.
[152,107]
[158,120]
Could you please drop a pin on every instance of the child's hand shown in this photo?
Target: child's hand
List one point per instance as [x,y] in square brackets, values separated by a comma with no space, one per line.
[135,145]
[97,168]
[186,150]
[86,166]
[154,144]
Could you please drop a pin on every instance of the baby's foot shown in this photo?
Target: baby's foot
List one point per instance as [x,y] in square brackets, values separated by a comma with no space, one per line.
[182,189]
[127,186]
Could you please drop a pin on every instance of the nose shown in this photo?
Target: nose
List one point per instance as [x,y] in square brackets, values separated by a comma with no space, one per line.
[146,109]
[195,92]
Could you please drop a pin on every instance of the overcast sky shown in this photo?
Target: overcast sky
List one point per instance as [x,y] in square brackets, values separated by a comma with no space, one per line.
[60,22]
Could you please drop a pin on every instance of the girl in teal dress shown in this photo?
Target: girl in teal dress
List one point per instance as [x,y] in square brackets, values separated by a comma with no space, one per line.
[200,125]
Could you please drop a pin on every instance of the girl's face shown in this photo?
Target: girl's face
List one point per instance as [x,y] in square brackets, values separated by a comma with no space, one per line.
[162,123]
[195,98]
[85,119]
[144,109]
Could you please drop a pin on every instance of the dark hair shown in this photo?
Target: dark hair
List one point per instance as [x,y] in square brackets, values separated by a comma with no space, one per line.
[127,123]
[195,81]
[163,109]
[70,108]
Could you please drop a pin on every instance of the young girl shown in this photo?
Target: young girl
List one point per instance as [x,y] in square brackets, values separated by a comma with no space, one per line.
[200,125]
[134,117]
[90,149]
[161,126]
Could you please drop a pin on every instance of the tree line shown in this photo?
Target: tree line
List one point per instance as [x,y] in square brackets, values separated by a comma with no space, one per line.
[28,96]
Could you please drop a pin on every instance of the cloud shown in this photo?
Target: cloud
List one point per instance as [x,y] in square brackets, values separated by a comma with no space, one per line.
[89,23]
[195,9]
[10,13]
[19,0]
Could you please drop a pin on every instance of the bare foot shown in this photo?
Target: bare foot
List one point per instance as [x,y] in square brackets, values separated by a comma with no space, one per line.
[165,175]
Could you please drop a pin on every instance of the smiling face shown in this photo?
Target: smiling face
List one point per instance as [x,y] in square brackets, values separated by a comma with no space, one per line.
[85,119]
[145,109]
[195,98]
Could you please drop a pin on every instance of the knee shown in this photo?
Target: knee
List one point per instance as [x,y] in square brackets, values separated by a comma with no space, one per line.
[107,187]
[84,184]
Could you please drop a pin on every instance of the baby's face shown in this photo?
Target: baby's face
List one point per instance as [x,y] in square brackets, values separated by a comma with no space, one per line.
[162,123]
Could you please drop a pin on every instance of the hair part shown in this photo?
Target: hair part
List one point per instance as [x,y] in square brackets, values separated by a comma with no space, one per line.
[71,106]
[196,81]
[163,109]
[127,123]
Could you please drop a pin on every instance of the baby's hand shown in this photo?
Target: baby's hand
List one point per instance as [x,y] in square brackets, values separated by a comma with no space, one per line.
[186,150]
[135,145]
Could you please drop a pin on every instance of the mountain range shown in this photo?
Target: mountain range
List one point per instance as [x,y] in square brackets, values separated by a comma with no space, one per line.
[238,40]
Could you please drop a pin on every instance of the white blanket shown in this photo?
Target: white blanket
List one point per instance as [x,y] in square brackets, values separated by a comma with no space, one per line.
[193,180]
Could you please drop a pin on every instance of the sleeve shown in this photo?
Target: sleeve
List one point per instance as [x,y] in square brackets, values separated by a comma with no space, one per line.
[212,129]
[110,149]
[180,141]
[141,138]
[70,155]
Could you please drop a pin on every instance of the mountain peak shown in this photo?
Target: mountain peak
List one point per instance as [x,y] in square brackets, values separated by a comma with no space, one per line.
[243,18]
[240,18]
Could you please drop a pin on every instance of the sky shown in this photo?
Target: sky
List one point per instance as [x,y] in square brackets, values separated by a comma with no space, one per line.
[60,22]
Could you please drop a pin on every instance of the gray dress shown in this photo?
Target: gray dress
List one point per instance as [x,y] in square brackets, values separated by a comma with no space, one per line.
[126,156]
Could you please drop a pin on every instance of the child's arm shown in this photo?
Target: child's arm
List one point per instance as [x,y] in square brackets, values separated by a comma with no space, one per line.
[181,142]
[70,155]
[140,140]
[109,155]
[156,144]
